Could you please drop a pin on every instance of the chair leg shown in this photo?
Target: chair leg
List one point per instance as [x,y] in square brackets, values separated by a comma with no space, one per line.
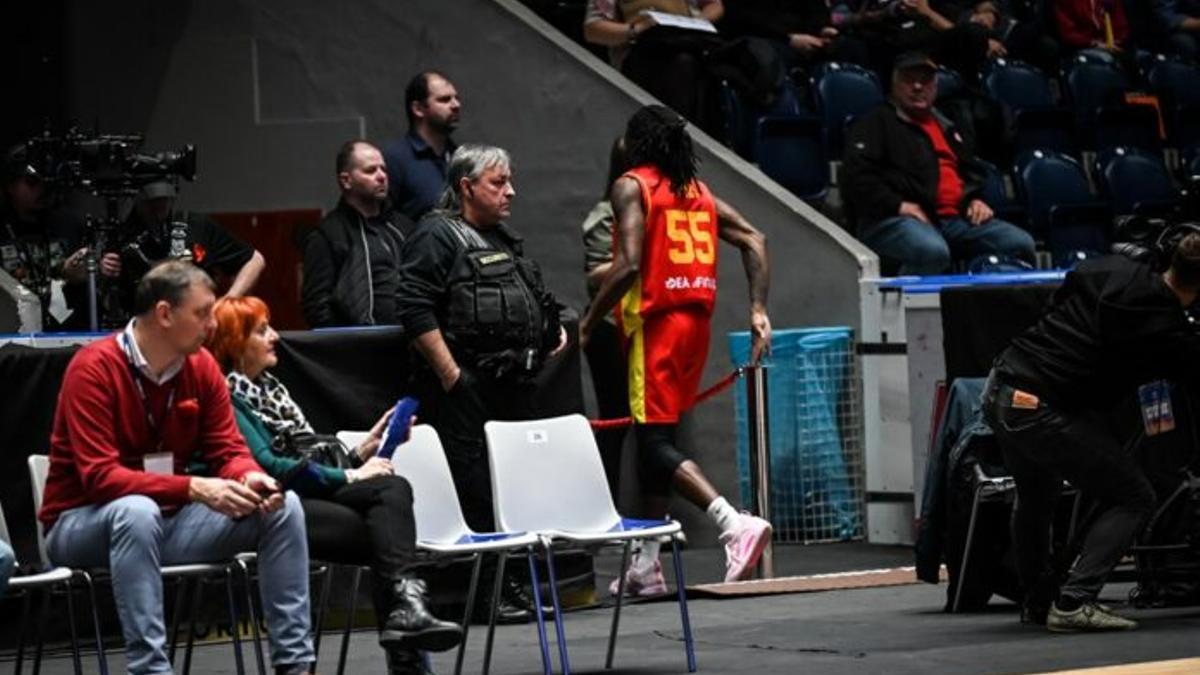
[191,635]
[322,606]
[543,642]
[75,662]
[341,667]
[689,644]
[966,556]
[234,628]
[91,589]
[176,617]
[472,589]
[26,601]
[616,620]
[491,630]
[254,633]
[558,620]
[41,631]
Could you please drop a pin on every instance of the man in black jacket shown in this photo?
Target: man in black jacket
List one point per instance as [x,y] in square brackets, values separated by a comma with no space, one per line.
[911,186]
[352,260]
[1116,327]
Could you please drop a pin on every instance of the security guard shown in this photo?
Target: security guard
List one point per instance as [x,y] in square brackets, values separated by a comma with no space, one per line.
[476,311]
[1115,327]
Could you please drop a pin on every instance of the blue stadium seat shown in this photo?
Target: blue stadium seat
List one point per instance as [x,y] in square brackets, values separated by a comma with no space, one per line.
[1061,205]
[1177,85]
[843,92]
[1093,85]
[1128,126]
[1039,123]
[791,151]
[741,118]
[1136,182]
[996,195]
[1191,161]
[949,83]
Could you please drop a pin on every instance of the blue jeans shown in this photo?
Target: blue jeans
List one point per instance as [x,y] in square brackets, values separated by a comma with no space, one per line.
[133,539]
[7,561]
[929,249]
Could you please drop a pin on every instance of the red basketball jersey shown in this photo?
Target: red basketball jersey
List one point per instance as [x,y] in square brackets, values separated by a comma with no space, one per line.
[679,249]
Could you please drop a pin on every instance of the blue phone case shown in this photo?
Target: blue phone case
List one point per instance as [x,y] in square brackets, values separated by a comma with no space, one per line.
[397,430]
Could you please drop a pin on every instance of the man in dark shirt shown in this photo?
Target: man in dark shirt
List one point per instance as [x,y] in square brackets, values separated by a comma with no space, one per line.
[1116,327]
[912,186]
[416,163]
[150,228]
[351,261]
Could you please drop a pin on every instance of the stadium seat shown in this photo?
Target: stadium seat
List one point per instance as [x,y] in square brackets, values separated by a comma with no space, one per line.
[1128,126]
[949,83]
[791,151]
[1061,205]
[996,195]
[741,118]
[1177,85]
[1093,85]
[1136,182]
[1038,122]
[843,92]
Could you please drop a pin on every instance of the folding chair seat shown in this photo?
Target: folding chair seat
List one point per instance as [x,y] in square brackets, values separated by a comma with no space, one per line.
[843,92]
[547,478]
[791,151]
[197,573]
[1060,204]
[442,530]
[1136,182]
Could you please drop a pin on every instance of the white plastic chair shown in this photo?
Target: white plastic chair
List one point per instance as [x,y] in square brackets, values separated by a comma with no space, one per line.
[39,466]
[442,531]
[547,478]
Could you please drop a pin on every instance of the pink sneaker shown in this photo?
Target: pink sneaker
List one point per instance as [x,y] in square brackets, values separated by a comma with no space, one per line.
[645,584]
[744,545]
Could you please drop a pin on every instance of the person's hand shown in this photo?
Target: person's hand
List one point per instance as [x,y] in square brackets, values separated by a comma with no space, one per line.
[804,43]
[562,342]
[450,378]
[829,32]
[978,212]
[110,265]
[914,211]
[75,266]
[370,444]
[996,49]
[267,488]
[227,497]
[760,334]
[376,466]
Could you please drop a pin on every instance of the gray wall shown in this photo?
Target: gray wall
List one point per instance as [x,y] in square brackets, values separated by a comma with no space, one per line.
[268,89]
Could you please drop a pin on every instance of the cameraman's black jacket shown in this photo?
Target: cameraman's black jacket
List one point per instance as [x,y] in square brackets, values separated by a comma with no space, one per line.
[891,160]
[351,268]
[477,287]
[1112,326]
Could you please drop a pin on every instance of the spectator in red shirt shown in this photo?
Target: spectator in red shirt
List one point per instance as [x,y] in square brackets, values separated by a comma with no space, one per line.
[134,407]
[1082,25]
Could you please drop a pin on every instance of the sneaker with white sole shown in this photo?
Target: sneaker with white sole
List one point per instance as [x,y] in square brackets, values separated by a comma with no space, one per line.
[644,583]
[744,545]
[1090,616]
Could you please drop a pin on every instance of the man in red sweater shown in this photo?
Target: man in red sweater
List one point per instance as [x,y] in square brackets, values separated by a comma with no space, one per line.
[134,407]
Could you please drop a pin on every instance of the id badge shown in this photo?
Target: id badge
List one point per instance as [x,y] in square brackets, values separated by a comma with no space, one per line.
[1154,399]
[161,463]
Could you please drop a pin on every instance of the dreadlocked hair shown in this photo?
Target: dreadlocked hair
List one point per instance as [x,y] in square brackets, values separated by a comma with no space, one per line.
[658,136]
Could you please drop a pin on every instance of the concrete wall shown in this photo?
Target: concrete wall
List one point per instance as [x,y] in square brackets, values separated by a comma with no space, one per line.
[268,89]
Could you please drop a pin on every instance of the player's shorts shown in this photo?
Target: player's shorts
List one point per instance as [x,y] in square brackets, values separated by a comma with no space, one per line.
[666,355]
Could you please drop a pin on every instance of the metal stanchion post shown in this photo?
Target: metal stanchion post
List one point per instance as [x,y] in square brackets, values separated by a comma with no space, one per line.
[760,457]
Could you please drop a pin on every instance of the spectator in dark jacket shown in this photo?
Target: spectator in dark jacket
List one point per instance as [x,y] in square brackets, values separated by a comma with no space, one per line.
[893,27]
[914,188]
[1179,20]
[801,30]
[351,260]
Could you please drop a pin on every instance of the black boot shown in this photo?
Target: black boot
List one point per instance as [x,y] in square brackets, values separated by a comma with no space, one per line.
[515,593]
[406,662]
[515,605]
[410,625]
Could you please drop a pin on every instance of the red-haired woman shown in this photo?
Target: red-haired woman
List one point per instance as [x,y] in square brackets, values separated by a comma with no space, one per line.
[342,503]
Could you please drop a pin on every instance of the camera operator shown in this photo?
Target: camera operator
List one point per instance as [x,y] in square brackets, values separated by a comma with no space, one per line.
[155,231]
[41,244]
[1115,327]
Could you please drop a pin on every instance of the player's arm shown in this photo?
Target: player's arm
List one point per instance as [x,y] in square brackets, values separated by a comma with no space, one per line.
[629,223]
[736,230]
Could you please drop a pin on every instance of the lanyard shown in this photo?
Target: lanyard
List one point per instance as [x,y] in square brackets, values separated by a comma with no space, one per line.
[137,380]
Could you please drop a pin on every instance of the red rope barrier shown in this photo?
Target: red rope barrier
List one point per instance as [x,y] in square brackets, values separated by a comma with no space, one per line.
[721,385]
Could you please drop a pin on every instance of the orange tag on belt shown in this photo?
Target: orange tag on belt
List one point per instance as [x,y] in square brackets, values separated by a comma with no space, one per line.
[1024,400]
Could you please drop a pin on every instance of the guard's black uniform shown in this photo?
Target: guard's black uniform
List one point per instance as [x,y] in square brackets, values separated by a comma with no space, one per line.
[499,322]
[1113,326]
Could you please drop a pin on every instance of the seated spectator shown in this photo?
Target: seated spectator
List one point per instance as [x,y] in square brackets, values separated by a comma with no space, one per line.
[134,408]
[352,258]
[342,502]
[1091,24]
[1179,20]
[153,219]
[1014,33]
[892,27]
[802,32]
[666,68]
[912,186]
[416,163]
